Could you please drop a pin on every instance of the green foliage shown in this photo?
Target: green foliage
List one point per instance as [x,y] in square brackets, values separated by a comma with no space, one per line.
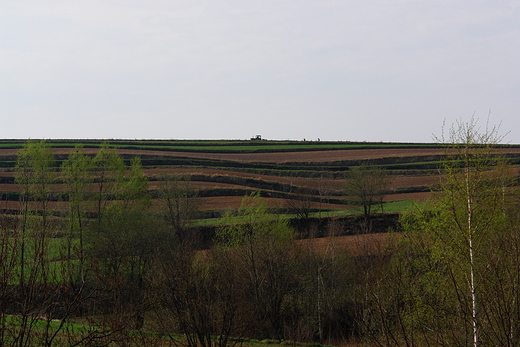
[35,172]
[108,172]
[35,166]
[441,275]
[77,172]
[261,249]
[127,240]
[134,187]
[252,223]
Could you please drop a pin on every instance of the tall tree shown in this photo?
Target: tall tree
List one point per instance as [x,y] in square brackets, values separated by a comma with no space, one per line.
[474,182]
[35,172]
[134,186]
[366,186]
[38,294]
[108,172]
[77,173]
[445,274]
[178,203]
[263,244]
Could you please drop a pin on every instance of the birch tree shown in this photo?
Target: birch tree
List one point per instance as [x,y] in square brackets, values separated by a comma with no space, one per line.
[473,191]
[443,265]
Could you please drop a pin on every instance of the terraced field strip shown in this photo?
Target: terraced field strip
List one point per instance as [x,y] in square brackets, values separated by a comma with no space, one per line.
[218,145]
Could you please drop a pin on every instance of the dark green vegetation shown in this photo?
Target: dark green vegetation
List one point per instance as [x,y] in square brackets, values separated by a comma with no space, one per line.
[104,244]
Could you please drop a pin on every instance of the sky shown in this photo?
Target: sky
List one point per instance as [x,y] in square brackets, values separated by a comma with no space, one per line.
[349,70]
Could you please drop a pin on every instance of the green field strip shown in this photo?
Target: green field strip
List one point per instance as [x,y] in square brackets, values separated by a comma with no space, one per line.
[400,206]
[222,145]
[231,146]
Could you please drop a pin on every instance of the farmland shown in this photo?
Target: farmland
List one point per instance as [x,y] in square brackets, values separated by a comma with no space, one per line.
[222,172]
[135,242]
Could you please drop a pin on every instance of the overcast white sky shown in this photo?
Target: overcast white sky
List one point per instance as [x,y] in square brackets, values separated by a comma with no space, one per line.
[353,70]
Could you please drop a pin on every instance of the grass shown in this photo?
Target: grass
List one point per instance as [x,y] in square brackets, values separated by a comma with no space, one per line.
[53,257]
[389,207]
[400,206]
[71,332]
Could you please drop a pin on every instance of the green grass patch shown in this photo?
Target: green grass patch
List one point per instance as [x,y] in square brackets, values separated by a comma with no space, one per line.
[401,206]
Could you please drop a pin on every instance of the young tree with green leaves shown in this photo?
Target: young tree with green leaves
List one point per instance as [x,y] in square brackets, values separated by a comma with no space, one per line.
[77,174]
[38,292]
[263,245]
[444,267]
[134,186]
[35,172]
[108,172]
[473,194]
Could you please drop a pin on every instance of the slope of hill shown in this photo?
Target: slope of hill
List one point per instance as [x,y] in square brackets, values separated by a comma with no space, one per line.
[222,172]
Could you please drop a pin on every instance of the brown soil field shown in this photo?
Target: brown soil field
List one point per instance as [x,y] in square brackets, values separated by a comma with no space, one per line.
[16,205]
[363,244]
[9,187]
[232,202]
[202,185]
[419,196]
[297,181]
[287,157]
[317,183]
[414,181]
[309,156]
[397,181]
[281,157]
[203,204]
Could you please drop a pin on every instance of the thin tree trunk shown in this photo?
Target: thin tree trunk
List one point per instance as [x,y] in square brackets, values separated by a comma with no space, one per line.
[471,255]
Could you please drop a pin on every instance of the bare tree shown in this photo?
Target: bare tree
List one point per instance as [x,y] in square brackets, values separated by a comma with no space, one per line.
[299,203]
[366,186]
[178,203]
